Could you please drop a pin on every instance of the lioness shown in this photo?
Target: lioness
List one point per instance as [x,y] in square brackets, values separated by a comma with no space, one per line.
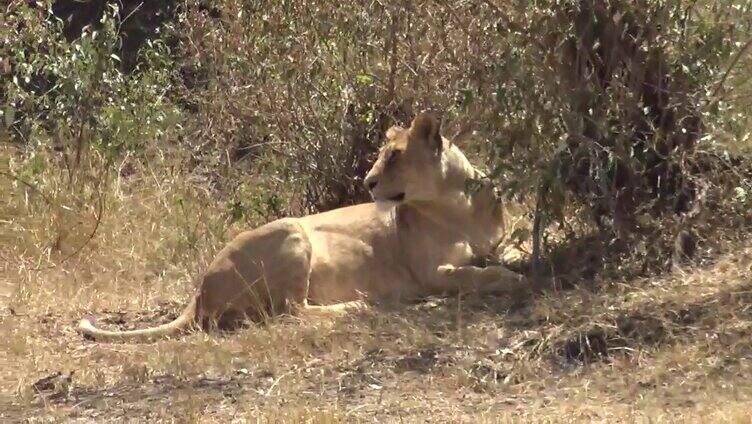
[420,237]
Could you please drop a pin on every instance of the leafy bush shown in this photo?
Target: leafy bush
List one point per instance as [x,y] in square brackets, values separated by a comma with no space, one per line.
[72,95]
[623,118]
[612,100]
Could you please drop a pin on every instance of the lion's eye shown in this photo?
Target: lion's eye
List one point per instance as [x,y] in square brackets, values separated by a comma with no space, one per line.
[393,156]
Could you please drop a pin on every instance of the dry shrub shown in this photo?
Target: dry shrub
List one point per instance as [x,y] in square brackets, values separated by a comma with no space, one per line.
[610,118]
[290,80]
[598,112]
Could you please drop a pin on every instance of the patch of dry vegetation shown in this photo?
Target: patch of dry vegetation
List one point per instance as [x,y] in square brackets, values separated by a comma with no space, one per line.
[661,349]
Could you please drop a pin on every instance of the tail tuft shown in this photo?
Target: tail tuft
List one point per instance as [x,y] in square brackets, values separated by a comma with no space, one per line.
[86,327]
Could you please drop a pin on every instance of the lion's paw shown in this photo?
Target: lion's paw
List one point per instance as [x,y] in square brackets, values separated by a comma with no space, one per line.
[447,269]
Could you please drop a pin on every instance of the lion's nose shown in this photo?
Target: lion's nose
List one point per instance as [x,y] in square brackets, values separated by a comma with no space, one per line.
[370,183]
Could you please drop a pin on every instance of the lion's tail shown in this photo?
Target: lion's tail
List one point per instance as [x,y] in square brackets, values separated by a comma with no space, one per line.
[182,323]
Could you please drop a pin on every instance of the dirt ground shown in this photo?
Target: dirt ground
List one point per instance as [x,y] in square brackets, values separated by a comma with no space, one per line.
[677,348]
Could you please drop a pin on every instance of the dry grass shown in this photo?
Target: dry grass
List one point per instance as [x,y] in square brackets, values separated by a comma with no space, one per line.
[676,348]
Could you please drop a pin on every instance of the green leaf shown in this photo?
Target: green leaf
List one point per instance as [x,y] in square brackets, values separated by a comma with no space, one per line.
[364,79]
[36,165]
[468,97]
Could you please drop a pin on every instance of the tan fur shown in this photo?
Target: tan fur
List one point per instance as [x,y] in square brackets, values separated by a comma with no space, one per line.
[423,242]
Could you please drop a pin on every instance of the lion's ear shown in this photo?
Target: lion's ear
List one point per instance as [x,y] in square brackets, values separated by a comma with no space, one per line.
[394,132]
[425,128]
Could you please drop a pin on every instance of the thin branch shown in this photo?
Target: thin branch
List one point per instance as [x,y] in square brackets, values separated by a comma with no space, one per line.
[726,74]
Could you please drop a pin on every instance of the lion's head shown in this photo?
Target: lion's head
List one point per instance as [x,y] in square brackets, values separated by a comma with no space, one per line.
[413,165]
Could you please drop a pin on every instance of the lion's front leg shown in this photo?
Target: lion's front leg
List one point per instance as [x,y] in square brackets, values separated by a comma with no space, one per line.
[335,310]
[496,279]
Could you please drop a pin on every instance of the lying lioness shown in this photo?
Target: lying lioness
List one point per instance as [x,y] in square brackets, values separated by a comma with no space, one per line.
[421,237]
